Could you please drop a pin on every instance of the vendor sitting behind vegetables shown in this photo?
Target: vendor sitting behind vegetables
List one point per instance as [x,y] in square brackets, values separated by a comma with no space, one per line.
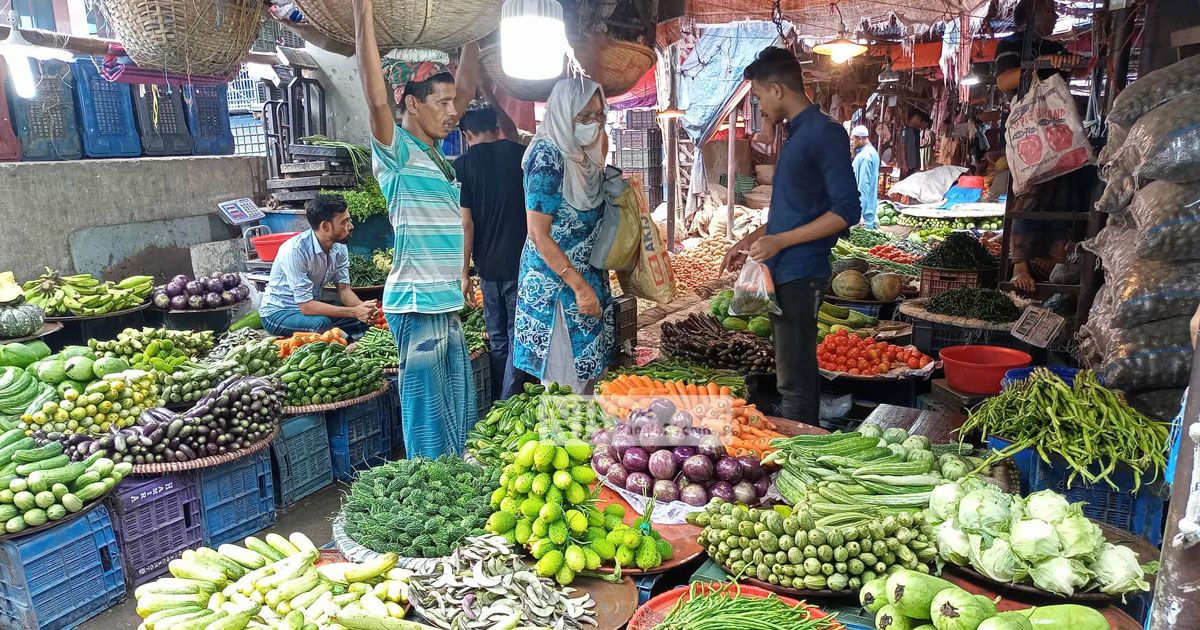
[305,264]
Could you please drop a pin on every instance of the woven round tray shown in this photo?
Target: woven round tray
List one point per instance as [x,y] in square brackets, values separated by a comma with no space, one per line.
[916,310]
[296,411]
[87,318]
[391,371]
[355,552]
[47,328]
[205,462]
[655,611]
[66,519]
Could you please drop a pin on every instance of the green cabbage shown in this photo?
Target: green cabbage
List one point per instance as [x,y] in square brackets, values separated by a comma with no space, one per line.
[1048,505]
[952,544]
[1034,540]
[996,561]
[944,500]
[1117,570]
[988,510]
[1080,538]
[1060,575]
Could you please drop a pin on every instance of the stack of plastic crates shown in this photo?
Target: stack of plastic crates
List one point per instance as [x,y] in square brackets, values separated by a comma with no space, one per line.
[106,114]
[359,437]
[156,519]
[46,125]
[63,576]
[301,458]
[238,499]
[10,147]
[481,370]
[161,121]
[625,348]
[207,108]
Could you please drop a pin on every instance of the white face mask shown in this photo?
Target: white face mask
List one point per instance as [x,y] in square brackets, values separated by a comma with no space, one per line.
[586,133]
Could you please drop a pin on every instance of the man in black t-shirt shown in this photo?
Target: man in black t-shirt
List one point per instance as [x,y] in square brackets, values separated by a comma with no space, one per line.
[493,209]
[1035,20]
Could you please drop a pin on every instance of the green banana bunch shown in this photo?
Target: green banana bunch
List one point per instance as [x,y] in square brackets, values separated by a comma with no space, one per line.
[82,294]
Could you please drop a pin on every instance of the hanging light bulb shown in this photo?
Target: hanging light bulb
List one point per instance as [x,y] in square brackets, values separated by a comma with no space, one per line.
[970,79]
[841,48]
[19,55]
[533,39]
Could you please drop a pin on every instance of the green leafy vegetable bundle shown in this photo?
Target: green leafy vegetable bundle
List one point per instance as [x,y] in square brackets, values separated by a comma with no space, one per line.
[364,272]
[988,305]
[420,508]
[960,250]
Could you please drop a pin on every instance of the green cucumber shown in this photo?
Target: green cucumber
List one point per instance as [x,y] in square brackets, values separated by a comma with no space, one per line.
[8,511]
[11,436]
[51,449]
[44,499]
[55,512]
[92,491]
[40,480]
[102,466]
[35,517]
[263,549]
[7,452]
[15,525]
[24,500]
[71,502]
[85,480]
[57,461]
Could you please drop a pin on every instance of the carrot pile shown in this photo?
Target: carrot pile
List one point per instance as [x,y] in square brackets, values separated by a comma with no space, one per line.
[742,427]
[291,344]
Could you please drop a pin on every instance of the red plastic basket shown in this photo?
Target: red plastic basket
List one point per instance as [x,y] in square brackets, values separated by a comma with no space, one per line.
[979,369]
[935,281]
[268,245]
[654,611]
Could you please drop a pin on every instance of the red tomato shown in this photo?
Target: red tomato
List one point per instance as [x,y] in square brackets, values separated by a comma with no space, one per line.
[914,363]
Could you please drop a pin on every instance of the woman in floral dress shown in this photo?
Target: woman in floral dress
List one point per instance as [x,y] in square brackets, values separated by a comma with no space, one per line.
[564,322]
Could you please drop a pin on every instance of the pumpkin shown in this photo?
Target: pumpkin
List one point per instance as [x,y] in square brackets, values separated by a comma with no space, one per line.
[10,291]
[20,321]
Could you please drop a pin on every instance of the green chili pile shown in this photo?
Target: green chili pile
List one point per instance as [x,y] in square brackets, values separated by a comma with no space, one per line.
[708,608]
[988,305]
[960,250]
[1088,426]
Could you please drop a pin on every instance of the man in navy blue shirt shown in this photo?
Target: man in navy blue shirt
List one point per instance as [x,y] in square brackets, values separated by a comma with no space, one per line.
[815,200]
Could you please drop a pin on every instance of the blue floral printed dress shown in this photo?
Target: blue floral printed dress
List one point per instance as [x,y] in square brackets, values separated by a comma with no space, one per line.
[542,295]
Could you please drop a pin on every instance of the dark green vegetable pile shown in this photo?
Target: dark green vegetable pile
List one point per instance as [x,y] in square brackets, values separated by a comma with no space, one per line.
[960,250]
[474,328]
[420,508]
[364,273]
[866,237]
[988,305]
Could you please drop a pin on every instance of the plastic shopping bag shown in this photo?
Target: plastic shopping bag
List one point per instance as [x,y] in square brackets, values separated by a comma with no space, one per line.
[620,229]
[652,279]
[1045,135]
[754,292]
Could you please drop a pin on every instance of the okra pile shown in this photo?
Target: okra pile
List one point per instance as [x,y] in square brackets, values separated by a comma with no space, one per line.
[810,551]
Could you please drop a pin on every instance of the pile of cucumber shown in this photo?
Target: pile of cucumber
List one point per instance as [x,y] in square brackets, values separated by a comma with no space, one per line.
[42,484]
[320,373]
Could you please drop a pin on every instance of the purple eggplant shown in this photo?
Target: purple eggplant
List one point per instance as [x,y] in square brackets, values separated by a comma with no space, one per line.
[194,288]
[181,279]
[212,300]
[227,298]
[179,303]
[230,280]
[214,285]
[162,301]
[174,288]
[195,302]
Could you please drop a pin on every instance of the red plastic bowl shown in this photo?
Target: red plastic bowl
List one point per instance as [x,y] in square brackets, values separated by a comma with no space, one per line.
[268,245]
[979,369]
[970,181]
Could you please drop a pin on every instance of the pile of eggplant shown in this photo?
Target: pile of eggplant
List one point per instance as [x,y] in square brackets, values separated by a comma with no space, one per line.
[185,294]
[237,413]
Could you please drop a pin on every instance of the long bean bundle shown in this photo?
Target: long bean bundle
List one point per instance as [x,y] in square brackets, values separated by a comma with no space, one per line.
[960,250]
[709,608]
[988,305]
[1089,426]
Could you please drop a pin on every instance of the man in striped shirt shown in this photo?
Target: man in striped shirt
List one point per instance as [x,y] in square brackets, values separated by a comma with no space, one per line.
[423,293]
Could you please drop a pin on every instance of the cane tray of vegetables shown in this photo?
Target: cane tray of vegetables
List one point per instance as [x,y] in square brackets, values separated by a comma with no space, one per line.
[707,606]
[206,293]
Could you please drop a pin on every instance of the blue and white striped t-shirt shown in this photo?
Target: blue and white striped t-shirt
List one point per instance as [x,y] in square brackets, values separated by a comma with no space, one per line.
[423,205]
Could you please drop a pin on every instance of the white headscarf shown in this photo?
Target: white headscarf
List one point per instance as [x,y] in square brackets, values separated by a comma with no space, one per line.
[583,168]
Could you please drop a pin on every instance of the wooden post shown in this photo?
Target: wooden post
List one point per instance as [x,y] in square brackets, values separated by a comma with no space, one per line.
[731,171]
[1176,603]
[672,138]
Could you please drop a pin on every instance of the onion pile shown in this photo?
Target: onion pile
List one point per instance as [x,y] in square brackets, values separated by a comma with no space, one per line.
[660,452]
[697,266]
[185,294]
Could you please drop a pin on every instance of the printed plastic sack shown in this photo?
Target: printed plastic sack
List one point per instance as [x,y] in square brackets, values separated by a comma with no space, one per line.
[754,292]
[619,232]
[1116,139]
[1165,143]
[652,279]
[1143,290]
[1155,88]
[1045,135]
[1153,355]
[1167,218]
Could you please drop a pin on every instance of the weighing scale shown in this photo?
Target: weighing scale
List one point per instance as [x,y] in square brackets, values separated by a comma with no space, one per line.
[245,214]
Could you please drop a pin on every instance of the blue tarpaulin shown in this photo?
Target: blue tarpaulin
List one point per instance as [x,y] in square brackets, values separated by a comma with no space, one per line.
[712,74]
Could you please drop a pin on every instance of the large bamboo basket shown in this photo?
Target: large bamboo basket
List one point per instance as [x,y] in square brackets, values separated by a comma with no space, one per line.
[442,25]
[199,37]
[617,65]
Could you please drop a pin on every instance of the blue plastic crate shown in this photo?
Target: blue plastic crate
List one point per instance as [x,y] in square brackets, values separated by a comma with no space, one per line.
[106,119]
[156,519]
[301,458]
[359,437]
[238,499]
[481,369]
[1142,513]
[61,577]
[207,108]
[1026,462]
[1067,374]
[46,124]
[162,124]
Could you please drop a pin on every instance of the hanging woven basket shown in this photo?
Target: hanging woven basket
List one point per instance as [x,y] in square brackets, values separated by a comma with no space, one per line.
[617,65]
[199,37]
[444,25]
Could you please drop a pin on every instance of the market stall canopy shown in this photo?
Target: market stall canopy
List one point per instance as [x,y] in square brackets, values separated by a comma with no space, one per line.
[644,94]
[711,77]
[814,17]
